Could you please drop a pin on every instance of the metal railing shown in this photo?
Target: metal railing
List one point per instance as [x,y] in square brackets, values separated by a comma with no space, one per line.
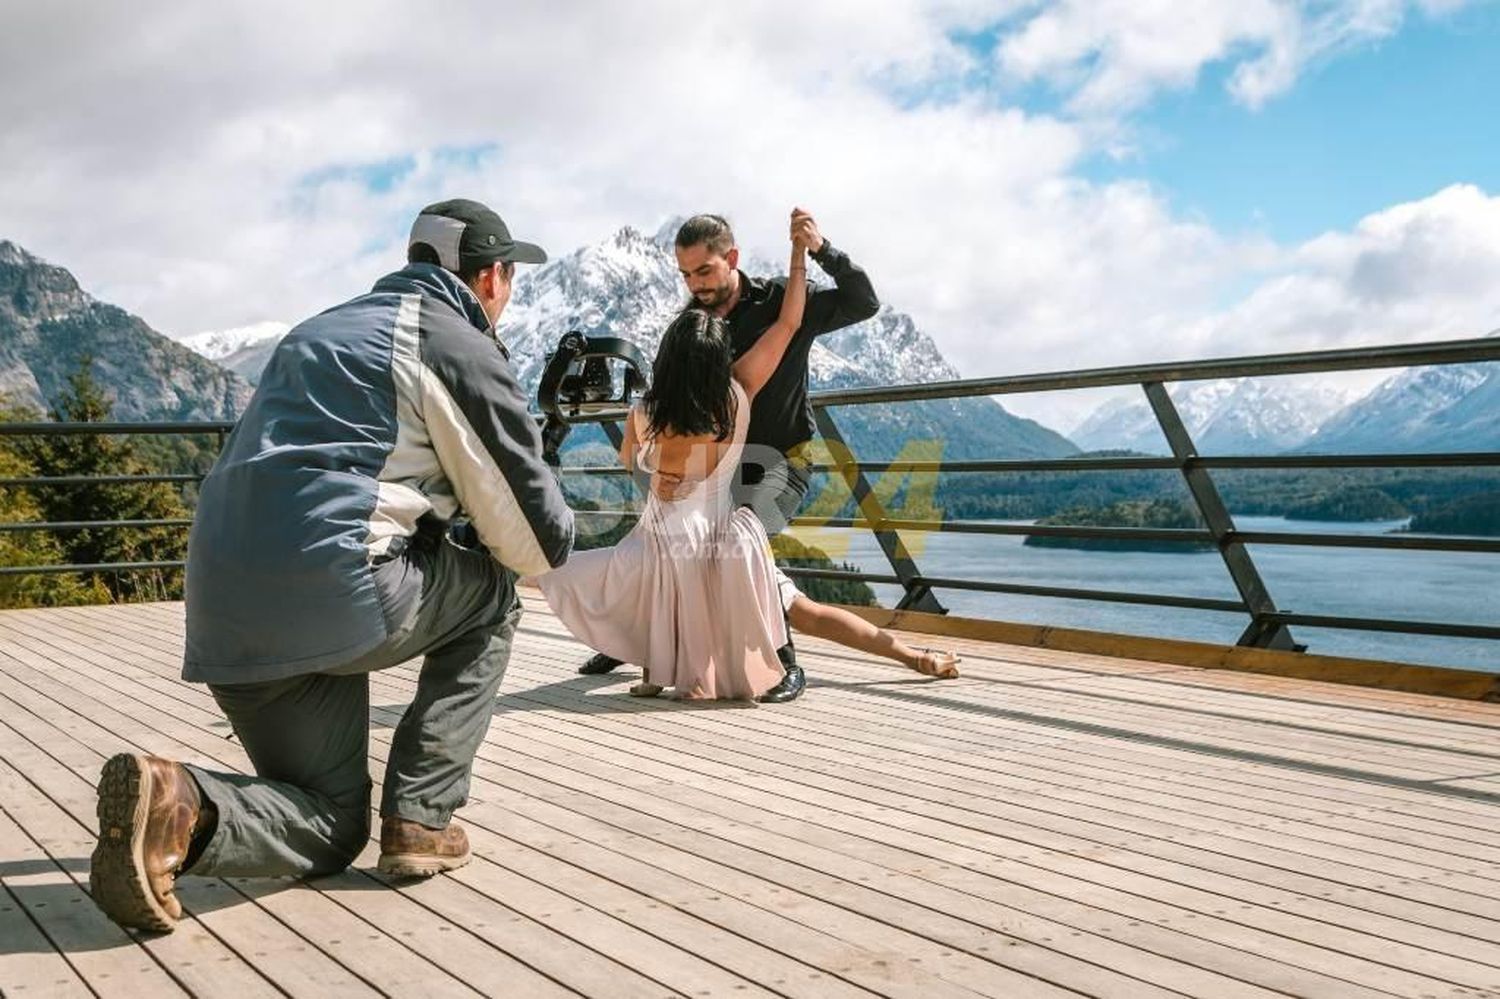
[1268,625]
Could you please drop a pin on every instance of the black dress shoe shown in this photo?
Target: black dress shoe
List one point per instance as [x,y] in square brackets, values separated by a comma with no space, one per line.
[789,689]
[600,663]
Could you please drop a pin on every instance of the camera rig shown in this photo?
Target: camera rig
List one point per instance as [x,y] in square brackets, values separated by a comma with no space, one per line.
[579,381]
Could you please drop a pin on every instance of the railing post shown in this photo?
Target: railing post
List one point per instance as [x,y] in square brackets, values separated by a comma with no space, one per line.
[918,595]
[1262,632]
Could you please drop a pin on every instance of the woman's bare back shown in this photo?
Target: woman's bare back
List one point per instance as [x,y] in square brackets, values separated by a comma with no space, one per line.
[681,462]
[678,462]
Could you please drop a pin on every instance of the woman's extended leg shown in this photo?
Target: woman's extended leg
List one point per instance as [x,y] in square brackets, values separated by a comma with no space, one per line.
[838,625]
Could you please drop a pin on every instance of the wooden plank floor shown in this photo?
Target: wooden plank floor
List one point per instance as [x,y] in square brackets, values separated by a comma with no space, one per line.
[1051,824]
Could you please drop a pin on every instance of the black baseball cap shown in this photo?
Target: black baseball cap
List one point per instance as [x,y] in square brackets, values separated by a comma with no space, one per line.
[465,233]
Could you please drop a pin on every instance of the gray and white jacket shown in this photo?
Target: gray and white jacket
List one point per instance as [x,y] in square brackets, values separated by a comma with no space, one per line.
[394,408]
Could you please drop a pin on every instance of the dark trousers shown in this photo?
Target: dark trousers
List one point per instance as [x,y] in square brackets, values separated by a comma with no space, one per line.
[773,488]
[307,809]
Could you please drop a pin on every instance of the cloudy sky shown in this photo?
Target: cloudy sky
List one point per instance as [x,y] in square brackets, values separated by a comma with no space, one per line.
[1041,184]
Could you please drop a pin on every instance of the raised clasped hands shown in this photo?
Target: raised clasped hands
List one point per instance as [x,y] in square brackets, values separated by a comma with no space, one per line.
[805,232]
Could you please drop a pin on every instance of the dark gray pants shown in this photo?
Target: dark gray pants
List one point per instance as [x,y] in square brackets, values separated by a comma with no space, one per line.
[773,488]
[307,809]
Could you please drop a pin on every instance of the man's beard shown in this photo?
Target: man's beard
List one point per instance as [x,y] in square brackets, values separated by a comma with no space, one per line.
[714,297]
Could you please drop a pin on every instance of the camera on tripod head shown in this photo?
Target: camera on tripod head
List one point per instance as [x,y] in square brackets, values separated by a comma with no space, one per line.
[579,380]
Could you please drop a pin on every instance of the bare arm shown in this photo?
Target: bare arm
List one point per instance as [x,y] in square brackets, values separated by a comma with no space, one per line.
[756,366]
[629,441]
[664,484]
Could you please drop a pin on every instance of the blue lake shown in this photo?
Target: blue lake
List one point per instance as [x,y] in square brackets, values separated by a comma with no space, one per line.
[1407,585]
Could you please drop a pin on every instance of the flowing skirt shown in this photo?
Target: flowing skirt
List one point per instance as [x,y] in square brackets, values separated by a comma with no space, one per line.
[694,600]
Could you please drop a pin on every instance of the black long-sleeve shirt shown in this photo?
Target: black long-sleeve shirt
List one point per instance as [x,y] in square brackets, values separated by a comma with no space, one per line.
[780,416]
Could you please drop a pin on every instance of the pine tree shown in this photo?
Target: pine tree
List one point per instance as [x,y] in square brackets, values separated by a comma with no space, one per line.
[92,455]
[28,548]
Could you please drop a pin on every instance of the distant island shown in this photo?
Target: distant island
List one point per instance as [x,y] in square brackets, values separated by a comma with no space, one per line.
[1349,504]
[1158,513]
[1472,515]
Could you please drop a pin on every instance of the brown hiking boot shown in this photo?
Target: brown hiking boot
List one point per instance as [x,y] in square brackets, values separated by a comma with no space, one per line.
[411,850]
[148,808]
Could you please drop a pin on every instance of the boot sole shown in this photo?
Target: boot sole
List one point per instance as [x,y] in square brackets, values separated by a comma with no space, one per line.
[117,870]
[418,865]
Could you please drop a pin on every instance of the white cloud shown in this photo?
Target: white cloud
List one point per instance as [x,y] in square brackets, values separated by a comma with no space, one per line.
[187,163]
[1113,55]
[1426,270]
[216,165]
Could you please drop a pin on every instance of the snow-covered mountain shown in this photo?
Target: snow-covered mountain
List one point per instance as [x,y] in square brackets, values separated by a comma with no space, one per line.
[219,344]
[245,350]
[1453,407]
[1226,416]
[628,285]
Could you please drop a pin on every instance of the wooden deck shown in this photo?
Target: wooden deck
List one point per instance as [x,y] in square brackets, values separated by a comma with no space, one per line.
[1051,824]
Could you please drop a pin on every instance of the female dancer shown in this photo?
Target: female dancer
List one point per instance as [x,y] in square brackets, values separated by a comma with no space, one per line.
[692,593]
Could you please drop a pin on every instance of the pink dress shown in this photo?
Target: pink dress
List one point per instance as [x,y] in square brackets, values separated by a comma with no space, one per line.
[691,594]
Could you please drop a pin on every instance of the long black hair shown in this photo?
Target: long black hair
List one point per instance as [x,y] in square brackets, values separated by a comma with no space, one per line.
[689,393]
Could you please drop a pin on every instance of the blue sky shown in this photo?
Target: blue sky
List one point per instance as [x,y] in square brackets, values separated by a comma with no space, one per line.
[1391,121]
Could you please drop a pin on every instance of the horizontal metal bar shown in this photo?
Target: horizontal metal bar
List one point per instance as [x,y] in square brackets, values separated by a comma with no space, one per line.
[1485,459]
[1026,589]
[1417,542]
[1172,534]
[1474,459]
[1106,596]
[102,480]
[1448,459]
[45,570]
[1388,625]
[609,416]
[1353,359]
[797,571]
[66,429]
[83,525]
[1040,465]
[1165,600]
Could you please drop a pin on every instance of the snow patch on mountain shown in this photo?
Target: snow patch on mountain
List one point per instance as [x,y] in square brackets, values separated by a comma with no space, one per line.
[1224,416]
[1434,408]
[218,344]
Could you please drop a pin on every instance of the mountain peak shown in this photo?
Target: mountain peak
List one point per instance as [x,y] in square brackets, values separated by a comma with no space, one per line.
[629,236]
[34,282]
[13,254]
[48,325]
